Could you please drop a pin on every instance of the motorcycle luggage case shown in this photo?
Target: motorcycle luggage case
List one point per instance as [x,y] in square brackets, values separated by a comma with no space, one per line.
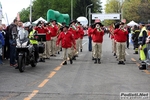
[41,47]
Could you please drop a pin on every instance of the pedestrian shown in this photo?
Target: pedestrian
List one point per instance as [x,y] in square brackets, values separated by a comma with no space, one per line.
[90,30]
[121,38]
[2,43]
[142,45]
[67,41]
[97,37]
[135,36]
[13,35]
[127,42]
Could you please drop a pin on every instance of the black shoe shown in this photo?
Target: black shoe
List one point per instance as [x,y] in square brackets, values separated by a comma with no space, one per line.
[136,52]
[95,61]
[124,59]
[65,63]
[58,52]
[43,59]
[71,62]
[17,67]
[99,61]
[40,60]
[80,50]
[74,58]
[47,58]
[60,49]
[93,58]
[123,63]
[114,54]
[120,62]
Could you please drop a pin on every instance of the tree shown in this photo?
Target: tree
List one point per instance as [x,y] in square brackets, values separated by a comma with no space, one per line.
[80,7]
[112,6]
[24,14]
[137,10]
[40,8]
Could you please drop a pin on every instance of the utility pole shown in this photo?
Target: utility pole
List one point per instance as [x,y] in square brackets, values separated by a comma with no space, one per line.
[71,9]
[122,9]
[31,11]
[89,16]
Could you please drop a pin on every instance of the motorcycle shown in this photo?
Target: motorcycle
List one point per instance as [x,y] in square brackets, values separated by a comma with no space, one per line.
[25,53]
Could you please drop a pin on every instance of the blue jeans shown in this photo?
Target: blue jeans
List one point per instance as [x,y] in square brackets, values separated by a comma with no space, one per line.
[90,44]
[12,52]
[1,60]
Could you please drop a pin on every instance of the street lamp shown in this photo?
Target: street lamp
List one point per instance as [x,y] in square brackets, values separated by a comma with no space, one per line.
[31,11]
[86,9]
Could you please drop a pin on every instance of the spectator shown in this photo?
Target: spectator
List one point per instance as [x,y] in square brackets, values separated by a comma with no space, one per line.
[2,42]
[13,33]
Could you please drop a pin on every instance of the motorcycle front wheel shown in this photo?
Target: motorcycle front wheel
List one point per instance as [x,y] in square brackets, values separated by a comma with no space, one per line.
[21,63]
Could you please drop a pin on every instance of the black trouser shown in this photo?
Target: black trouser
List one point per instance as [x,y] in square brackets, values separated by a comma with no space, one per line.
[127,41]
[36,52]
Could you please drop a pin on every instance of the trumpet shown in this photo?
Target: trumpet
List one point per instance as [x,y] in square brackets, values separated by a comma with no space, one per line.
[98,28]
[51,25]
[74,27]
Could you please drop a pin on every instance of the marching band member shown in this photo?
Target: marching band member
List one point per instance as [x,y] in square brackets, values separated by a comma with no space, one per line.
[121,38]
[81,34]
[53,30]
[67,41]
[40,28]
[73,29]
[97,37]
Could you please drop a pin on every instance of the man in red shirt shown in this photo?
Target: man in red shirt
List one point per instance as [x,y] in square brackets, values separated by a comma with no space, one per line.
[121,38]
[53,29]
[97,37]
[81,34]
[48,42]
[40,28]
[75,31]
[67,41]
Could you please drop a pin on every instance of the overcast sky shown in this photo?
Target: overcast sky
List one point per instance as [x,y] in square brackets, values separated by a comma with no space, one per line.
[12,7]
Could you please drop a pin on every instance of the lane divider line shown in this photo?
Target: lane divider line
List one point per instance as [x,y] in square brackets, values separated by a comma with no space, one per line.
[31,95]
[57,68]
[51,74]
[133,59]
[146,71]
[43,83]
[127,53]
[84,43]
[138,64]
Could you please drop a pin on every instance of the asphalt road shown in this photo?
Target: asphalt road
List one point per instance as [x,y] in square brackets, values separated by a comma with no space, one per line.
[83,80]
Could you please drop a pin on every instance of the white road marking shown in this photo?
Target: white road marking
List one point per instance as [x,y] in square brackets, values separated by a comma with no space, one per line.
[84,43]
[127,53]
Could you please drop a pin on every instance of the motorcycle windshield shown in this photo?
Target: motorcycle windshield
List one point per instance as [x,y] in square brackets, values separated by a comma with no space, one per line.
[23,34]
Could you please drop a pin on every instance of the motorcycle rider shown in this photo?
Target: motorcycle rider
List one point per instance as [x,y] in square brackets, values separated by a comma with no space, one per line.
[34,42]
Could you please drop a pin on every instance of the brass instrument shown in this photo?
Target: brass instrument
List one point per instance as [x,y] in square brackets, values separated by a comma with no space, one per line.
[98,28]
